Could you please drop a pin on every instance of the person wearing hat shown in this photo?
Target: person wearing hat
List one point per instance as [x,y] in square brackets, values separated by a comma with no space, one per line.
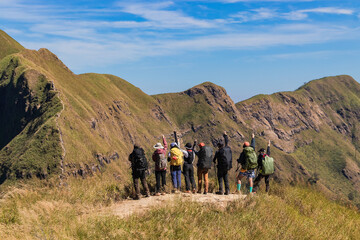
[176,157]
[188,168]
[224,163]
[247,159]
[160,159]
[260,176]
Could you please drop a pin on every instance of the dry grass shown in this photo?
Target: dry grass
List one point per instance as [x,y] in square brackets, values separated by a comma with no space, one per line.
[80,211]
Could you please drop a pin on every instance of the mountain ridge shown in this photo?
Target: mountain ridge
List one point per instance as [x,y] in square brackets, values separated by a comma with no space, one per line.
[103,115]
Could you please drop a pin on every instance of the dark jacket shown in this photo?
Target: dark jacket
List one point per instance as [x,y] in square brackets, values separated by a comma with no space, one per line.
[138,159]
[242,158]
[262,156]
[224,156]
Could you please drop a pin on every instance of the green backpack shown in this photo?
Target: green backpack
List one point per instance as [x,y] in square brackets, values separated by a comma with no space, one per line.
[251,158]
[267,165]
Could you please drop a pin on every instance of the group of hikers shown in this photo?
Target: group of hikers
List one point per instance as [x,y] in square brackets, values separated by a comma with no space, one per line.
[181,161]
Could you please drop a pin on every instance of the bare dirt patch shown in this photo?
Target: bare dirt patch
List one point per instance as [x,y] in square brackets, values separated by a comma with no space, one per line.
[128,207]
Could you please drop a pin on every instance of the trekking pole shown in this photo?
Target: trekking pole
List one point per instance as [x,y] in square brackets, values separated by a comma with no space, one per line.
[176,138]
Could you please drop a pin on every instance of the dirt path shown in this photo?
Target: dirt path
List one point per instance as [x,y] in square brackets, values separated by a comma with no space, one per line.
[129,207]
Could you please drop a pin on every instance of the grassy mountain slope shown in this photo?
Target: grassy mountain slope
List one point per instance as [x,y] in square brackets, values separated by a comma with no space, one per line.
[30,141]
[92,118]
[317,126]
[8,45]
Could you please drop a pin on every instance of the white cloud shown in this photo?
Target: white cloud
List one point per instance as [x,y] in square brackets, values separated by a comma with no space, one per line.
[329,10]
[266,13]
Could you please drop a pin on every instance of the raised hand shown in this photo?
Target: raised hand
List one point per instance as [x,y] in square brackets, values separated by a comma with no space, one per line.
[269,143]
[253,135]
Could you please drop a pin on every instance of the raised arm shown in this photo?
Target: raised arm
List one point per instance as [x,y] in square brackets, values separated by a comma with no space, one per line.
[226,139]
[253,141]
[165,143]
[268,148]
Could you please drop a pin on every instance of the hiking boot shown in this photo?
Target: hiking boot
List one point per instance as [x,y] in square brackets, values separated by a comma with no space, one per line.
[194,191]
[219,193]
[227,192]
[147,194]
[157,194]
[137,197]
[187,191]
[163,193]
[199,192]
[205,193]
[237,192]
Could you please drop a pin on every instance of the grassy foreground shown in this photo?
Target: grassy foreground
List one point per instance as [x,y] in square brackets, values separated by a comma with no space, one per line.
[82,212]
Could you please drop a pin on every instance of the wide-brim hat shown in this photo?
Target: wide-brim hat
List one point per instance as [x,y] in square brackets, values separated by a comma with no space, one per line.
[188,146]
[158,146]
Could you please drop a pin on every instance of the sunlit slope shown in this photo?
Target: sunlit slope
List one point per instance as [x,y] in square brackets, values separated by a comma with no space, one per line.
[317,125]
[8,45]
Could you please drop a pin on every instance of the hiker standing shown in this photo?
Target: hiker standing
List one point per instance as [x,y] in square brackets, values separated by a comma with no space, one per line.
[265,167]
[204,164]
[160,159]
[139,167]
[248,161]
[188,168]
[224,164]
[176,157]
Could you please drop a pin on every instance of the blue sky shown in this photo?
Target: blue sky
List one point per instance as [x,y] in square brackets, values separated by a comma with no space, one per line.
[247,46]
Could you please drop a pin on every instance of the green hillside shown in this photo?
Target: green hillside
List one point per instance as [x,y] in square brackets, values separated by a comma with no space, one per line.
[8,45]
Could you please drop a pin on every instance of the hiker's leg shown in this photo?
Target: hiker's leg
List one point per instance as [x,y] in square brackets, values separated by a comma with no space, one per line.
[206,180]
[157,176]
[136,186]
[257,182]
[267,183]
[220,179]
[178,178]
[199,173]
[251,184]
[163,178]
[226,181]
[144,183]
[191,176]
[173,178]
[187,178]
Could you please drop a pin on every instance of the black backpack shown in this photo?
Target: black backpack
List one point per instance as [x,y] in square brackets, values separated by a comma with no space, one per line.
[205,157]
[138,159]
[225,158]
[190,158]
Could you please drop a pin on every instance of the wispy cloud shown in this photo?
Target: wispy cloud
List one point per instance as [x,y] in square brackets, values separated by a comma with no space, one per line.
[157,14]
[267,13]
[329,10]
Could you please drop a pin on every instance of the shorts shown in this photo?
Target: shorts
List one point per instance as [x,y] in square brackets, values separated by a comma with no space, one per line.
[248,173]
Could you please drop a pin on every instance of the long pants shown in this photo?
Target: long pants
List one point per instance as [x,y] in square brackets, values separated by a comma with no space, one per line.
[176,177]
[222,175]
[203,173]
[140,174]
[258,179]
[188,170]
[160,176]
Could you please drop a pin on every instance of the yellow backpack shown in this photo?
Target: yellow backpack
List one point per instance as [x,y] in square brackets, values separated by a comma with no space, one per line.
[176,156]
